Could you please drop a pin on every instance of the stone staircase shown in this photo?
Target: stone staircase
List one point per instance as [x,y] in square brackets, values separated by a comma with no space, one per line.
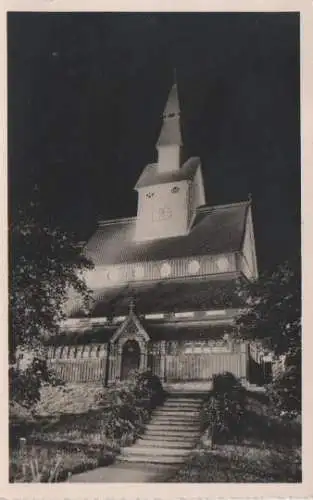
[170,435]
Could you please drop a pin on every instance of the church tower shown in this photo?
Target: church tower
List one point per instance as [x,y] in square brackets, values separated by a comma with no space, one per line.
[168,192]
[170,142]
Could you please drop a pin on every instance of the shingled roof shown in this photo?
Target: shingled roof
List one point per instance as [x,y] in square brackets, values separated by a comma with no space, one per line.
[152,176]
[166,296]
[215,230]
[166,331]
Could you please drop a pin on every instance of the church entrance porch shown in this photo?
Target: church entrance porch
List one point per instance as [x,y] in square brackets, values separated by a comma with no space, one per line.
[130,358]
[128,349]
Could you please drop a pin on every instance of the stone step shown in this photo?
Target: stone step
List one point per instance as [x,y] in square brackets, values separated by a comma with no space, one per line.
[170,437]
[181,406]
[179,394]
[173,410]
[175,417]
[184,401]
[174,424]
[173,433]
[169,426]
[176,411]
[177,444]
[151,451]
[152,459]
[183,397]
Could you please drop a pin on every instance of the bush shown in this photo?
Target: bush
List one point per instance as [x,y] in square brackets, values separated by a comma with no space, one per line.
[148,385]
[128,405]
[25,385]
[223,413]
[226,383]
[285,392]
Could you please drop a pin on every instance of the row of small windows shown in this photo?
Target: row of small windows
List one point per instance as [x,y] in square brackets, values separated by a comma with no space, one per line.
[151,194]
[140,271]
[166,270]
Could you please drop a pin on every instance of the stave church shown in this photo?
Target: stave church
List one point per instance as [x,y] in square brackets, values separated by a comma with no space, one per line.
[164,280]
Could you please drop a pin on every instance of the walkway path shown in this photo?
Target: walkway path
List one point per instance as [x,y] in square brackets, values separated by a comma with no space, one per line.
[126,473]
[169,438]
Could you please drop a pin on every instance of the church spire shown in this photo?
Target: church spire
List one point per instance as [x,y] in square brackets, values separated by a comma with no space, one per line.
[170,141]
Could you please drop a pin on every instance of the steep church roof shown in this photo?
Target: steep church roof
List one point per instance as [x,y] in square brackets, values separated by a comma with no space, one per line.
[170,131]
[165,296]
[215,230]
[152,176]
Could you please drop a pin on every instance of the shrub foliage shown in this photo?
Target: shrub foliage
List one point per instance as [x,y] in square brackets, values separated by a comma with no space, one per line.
[47,264]
[128,405]
[24,385]
[285,392]
[273,316]
[224,411]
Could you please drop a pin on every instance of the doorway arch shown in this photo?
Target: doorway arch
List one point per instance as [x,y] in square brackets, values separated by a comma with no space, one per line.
[130,358]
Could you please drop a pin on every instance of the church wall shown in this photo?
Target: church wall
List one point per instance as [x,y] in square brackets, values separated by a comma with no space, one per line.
[100,276]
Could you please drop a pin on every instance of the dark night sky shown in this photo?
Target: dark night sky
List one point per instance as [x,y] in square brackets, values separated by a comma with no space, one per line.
[86,95]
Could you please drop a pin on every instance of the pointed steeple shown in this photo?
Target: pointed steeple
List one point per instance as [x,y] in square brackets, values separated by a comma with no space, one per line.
[170,140]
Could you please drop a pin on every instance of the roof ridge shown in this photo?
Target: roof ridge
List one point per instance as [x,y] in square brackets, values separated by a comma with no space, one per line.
[119,220]
[196,157]
[205,208]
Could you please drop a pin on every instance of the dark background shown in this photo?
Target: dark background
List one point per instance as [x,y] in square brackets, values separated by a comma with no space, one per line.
[86,95]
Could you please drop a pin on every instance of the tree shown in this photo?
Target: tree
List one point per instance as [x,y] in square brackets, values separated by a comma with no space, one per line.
[273,315]
[46,263]
[273,312]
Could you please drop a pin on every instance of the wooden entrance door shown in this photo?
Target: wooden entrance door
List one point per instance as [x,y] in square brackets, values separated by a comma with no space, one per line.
[130,358]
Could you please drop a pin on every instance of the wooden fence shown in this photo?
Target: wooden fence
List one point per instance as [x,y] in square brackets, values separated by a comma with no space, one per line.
[83,370]
[171,362]
[203,366]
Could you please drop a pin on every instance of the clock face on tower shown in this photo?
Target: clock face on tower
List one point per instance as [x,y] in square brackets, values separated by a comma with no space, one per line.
[162,213]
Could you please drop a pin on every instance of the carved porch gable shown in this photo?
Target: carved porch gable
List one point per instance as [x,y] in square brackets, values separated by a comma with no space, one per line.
[130,329]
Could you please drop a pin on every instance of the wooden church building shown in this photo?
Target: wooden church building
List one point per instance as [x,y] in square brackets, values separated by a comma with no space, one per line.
[164,281]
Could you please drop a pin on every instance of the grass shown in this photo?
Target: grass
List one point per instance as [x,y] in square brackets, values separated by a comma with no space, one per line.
[76,428]
[54,463]
[66,428]
[269,451]
[242,464]
[68,399]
